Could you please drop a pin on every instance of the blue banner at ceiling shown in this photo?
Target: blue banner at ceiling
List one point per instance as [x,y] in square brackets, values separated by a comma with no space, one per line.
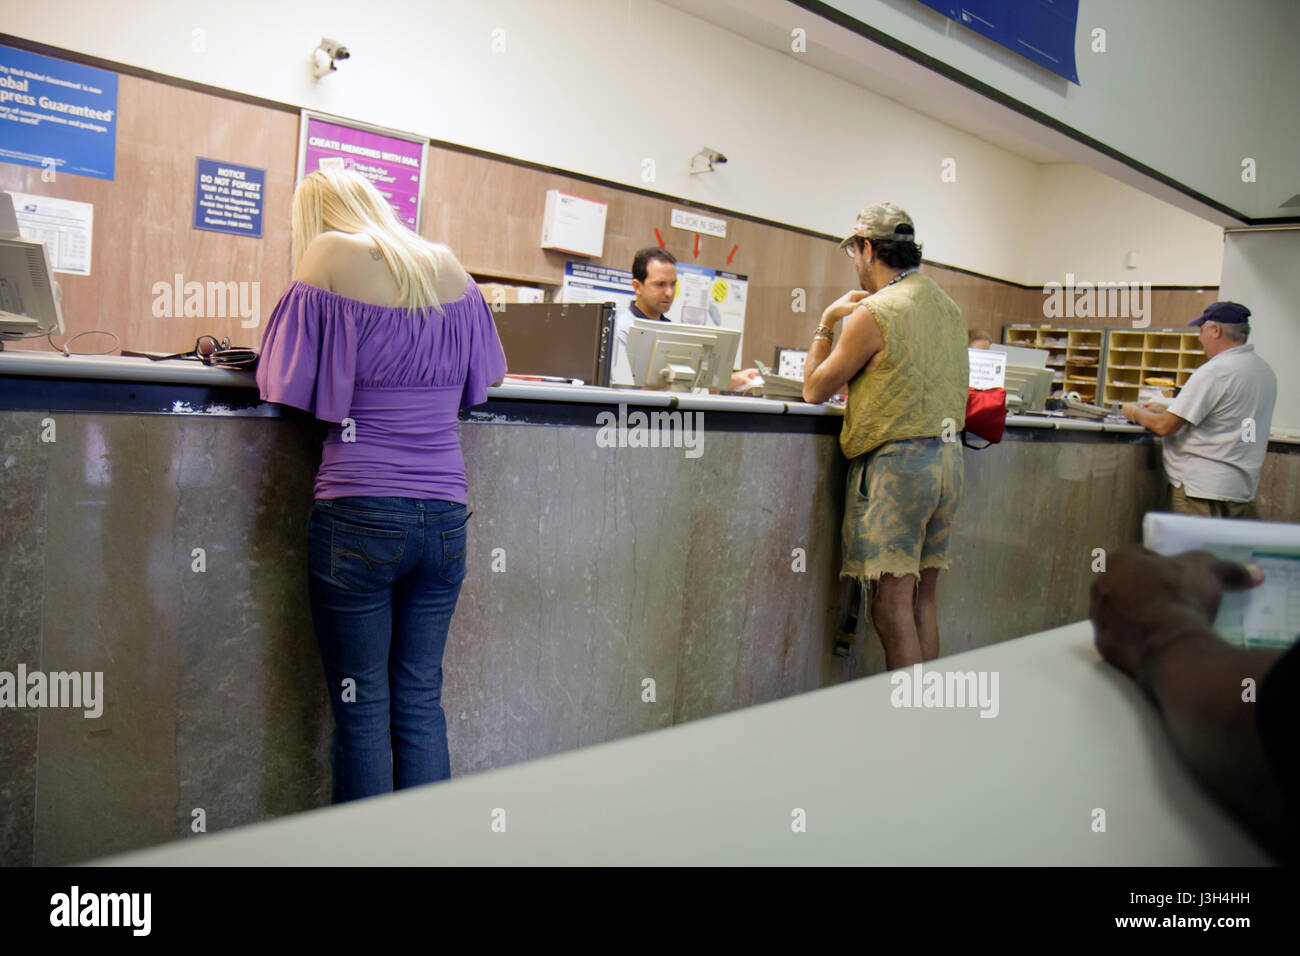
[1039,30]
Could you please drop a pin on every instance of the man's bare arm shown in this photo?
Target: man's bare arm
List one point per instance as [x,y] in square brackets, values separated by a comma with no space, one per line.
[859,342]
[1152,617]
[1161,422]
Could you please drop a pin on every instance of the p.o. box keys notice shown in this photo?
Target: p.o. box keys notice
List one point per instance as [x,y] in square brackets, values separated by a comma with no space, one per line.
[228,198]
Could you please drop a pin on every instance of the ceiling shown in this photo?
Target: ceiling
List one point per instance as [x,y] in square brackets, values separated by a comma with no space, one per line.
[873,67]
[862,63]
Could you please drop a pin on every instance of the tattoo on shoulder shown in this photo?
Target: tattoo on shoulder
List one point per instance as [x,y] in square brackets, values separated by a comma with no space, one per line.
[376,254]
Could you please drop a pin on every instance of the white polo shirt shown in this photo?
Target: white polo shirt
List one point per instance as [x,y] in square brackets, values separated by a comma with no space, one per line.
[1226,401]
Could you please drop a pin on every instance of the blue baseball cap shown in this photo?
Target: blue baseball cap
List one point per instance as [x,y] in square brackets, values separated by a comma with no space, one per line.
[1229,313]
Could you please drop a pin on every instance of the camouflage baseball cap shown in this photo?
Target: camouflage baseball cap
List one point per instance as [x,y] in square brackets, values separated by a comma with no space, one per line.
[884,220]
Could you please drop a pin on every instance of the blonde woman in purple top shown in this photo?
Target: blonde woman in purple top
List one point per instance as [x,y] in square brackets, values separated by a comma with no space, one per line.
[385,336]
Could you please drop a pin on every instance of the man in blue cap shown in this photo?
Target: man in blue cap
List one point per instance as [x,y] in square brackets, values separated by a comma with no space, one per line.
[1216,431]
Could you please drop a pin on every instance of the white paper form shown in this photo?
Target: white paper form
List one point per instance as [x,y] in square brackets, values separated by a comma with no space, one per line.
[711,299]
[988,369]
[1263,616]
[1271,618]
[691,305]
[65,225]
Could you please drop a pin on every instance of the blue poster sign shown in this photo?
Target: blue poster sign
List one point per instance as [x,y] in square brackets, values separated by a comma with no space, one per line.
[57,115]
[1039,30]
[228,198]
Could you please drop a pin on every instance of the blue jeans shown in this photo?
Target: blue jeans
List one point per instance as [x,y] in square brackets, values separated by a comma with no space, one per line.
[384,576]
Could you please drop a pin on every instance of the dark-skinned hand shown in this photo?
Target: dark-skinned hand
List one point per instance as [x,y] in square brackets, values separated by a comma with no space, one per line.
[1144,601]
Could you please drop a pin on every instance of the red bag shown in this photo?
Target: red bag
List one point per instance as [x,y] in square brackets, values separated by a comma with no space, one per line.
[986,415]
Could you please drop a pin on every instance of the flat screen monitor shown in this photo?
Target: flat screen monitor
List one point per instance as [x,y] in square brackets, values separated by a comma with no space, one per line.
[1019,355]
[29,296]
[1027,388]
[681,358]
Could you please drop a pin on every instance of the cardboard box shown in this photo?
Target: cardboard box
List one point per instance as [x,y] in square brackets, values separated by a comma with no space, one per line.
[500,293]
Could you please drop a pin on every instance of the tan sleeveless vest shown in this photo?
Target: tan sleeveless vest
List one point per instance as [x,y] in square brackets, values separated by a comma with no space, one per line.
[923,377]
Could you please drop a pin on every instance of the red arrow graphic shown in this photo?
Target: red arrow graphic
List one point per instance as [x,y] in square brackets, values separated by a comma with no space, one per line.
[659,239]
[732,254]
[697,245]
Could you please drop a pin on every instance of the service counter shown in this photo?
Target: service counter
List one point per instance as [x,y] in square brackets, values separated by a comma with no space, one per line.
[153,523]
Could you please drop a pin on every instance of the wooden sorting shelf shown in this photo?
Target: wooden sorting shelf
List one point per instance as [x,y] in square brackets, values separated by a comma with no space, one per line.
[1134,356]
[1075,356]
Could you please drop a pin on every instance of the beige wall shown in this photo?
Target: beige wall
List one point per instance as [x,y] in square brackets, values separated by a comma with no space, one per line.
[563,83]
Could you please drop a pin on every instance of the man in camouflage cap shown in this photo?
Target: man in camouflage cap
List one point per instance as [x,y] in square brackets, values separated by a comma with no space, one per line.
[902,356]
[883,221]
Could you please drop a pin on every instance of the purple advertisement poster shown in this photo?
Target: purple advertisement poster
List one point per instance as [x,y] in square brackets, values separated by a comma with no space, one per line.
[394,164]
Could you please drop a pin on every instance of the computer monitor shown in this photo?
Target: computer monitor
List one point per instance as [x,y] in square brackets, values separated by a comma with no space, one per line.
[681,358]
[1020,355]
[29,296]
[1027,388]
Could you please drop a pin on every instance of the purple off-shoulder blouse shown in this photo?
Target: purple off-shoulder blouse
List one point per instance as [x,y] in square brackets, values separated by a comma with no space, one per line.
[400,379]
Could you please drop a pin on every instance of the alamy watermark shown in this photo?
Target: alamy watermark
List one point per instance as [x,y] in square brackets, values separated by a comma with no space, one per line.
[651,430]
[208,300]
[915,687]
[56,689]
[129,910]
[1098,300]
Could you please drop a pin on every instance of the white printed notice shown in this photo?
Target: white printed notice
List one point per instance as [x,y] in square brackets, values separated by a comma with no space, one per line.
[791,362]
[65,226]
[692,303]
[1271,612]
[709,297]
[1267,615]
[988,369]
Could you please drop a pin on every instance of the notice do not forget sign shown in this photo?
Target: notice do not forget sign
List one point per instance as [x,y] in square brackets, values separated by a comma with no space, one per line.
[229,198]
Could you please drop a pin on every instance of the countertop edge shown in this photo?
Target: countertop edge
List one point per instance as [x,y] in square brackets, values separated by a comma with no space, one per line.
[122,369]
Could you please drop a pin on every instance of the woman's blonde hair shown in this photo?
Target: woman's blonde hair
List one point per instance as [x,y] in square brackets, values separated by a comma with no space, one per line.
[339,200]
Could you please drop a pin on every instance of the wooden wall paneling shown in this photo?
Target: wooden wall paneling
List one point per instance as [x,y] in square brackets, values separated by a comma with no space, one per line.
[1174,308]
[490,213]
[990,305]
[986,304]
[1167,308]
[143,230]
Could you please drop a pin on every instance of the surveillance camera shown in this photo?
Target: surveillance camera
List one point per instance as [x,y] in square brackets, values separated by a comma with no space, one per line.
[325,55]
[705,159]
[321,64]
[334,49]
